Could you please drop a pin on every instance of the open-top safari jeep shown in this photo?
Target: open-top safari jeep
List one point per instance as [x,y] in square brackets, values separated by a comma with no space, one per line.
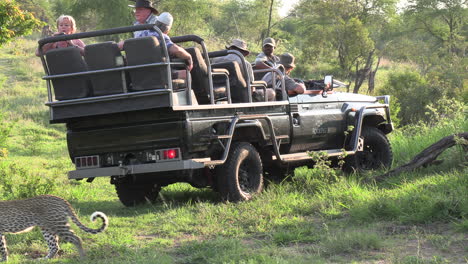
[127,118]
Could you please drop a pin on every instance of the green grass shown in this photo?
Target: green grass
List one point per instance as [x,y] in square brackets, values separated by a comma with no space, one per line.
[418,217]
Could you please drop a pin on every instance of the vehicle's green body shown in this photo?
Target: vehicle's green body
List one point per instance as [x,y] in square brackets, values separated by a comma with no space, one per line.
[126,130]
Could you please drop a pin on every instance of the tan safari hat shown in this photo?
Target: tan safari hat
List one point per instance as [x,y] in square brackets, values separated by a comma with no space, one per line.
[240,44]
[287,59]
[269,41]
[144,3]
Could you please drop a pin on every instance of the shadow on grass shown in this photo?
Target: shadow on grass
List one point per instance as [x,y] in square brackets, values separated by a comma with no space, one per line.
[170,199]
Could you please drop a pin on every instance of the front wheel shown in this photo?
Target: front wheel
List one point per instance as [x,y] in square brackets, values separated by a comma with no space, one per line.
[377,152]
[133,194]
[240,177]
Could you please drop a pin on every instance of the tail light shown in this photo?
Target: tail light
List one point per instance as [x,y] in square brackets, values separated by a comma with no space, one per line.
[86,162]
[167,154]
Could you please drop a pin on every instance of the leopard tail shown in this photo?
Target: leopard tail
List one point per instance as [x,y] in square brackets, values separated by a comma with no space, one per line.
[105,222]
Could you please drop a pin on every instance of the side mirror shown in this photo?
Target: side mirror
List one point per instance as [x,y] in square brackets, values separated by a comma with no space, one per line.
[328,85]
[328,81]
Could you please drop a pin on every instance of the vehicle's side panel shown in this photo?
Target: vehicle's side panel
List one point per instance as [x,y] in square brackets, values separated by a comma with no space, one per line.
[318,123]
[205,125]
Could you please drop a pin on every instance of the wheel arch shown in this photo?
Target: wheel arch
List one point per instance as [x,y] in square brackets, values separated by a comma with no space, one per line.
[251,132]
[378,122]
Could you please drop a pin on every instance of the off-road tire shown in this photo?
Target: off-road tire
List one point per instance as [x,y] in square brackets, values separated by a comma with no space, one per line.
[241,176]
[131,194]
[377,152]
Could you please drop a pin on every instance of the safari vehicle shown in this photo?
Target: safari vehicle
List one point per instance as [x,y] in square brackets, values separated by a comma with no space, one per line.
[128,119]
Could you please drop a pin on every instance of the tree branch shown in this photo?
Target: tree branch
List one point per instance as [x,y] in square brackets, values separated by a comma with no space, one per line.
[426,157]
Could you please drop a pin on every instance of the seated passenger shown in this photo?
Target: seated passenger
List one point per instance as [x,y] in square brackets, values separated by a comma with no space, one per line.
[267,59]
[292,87]
[65,25]
[241,46]
[145,13]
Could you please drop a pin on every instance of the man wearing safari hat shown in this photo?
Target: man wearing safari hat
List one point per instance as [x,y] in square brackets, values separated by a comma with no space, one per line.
[267,59]
[241,46]
[292,87]
[145,13]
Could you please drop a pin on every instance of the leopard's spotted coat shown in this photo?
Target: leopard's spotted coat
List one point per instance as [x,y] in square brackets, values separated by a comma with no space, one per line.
[50,214]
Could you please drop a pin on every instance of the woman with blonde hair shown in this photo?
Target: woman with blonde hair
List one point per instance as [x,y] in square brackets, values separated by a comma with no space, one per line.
[65,25]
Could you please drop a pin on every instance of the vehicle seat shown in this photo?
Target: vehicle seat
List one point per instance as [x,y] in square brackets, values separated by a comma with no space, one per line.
[105,56]
[200,81]
[257,75]
[68,60]
[239,92]
[146,50]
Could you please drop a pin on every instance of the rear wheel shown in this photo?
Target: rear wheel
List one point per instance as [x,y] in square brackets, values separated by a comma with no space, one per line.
[133,194]
[377,152]
[240,177]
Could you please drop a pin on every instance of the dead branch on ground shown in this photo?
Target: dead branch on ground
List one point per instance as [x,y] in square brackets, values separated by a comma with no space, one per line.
[428,156]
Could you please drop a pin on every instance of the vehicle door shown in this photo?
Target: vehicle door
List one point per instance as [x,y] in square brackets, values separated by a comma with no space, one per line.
[318,121]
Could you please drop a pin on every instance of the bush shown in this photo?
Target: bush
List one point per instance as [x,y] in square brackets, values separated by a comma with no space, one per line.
[412,93]
[417,99]
[17,182]
[444,109]
[317,178]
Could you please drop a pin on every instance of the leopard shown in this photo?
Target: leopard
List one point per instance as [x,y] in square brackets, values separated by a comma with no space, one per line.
[51,214]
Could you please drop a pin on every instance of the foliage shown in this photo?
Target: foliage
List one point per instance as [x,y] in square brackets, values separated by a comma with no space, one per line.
[18,182]
[412,93]
[444,109]
[348,29]
[15,22]
[95,15]
[5,129]
[418,100]
[41,9]
[320,176]
[447,23]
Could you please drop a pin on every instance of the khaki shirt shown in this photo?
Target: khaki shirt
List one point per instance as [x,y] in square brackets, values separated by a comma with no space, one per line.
[271,61]
[289,82]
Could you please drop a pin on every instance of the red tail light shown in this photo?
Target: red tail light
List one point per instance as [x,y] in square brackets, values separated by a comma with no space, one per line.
[167,154]
[170,154]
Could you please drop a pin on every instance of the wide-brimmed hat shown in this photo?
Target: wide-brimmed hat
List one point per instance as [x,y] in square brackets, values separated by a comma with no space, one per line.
[287,60]
[269,41]
[144,3]
[240,44]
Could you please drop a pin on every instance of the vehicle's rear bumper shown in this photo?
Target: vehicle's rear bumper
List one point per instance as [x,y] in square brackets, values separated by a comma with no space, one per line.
[136,169]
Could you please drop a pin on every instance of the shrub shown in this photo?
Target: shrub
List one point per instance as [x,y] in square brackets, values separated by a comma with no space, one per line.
[412,93]
[420,99]
[444,109]
[317,178]
[17,182]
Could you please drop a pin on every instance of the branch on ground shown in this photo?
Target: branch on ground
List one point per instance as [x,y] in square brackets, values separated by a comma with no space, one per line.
[428,156]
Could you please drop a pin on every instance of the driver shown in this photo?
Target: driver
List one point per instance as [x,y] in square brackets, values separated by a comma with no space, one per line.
[267,59]
[293,87]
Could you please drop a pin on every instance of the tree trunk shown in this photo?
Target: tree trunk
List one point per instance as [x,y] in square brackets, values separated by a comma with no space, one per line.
[426,157]
[362,74]
[372,77]
[269,18]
